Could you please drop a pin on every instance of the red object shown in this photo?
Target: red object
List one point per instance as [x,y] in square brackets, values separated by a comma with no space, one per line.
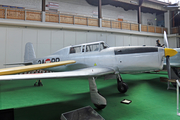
[48,61]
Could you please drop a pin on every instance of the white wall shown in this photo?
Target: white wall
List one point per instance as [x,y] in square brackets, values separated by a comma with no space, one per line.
[29,4]
[47,41]
[148,17]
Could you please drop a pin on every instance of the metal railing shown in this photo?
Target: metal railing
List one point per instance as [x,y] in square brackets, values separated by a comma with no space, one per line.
[33,15]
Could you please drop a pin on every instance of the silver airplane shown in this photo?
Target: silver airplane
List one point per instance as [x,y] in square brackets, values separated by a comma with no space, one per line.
[97,59]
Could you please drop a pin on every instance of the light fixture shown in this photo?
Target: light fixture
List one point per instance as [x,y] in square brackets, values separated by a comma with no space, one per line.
[134,2]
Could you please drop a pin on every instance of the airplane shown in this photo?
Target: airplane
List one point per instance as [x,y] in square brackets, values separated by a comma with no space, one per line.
[97,59]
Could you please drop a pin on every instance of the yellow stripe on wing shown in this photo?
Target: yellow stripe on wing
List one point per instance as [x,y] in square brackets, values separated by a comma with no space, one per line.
[14,70]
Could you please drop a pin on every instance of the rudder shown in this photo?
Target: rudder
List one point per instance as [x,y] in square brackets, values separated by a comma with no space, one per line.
[29,54]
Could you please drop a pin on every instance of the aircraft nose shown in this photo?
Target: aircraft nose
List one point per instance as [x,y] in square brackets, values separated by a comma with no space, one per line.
[170,52]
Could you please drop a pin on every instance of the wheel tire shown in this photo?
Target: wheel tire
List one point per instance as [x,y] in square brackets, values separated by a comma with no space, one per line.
[122,87]
[100,107]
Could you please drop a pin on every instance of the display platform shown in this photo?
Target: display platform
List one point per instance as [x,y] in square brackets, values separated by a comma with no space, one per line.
[150,98]
[85,113]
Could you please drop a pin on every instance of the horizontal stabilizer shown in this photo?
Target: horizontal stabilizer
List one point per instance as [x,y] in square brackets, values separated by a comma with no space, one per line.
[23,63]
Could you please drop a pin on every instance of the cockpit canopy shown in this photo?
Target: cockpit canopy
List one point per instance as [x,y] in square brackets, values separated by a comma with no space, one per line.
[88,47]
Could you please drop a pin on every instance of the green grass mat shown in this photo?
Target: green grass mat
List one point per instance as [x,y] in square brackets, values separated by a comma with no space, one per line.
[150,98]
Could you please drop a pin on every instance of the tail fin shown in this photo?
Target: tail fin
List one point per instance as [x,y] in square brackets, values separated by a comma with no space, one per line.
[29,54]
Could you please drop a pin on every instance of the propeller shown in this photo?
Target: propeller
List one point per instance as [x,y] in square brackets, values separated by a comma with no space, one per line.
[165,40]
[168,53]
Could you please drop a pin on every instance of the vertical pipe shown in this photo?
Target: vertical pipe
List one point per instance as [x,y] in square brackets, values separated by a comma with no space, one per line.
[43,11]
[59,18]
[100,13]
[43,5]
[87,21]
[139,14]
[5,13]
[177,99]
[139,18]
[177,86]
[25,15]
[111,23]
[121,25]
[73,19]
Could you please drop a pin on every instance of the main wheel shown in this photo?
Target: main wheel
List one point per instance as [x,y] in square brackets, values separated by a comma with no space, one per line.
[100,107]
[122,87]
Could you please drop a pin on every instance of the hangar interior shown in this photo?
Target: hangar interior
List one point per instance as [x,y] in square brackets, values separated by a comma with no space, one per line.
[69,22]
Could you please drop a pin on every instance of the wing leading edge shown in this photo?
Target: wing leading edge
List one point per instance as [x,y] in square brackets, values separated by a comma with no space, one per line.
[86,72]
[14,70]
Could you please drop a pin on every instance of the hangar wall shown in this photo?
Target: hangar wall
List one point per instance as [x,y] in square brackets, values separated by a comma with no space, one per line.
[47,41]
[81,7]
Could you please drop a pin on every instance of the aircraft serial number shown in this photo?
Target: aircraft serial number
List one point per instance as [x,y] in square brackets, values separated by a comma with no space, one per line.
[48,60]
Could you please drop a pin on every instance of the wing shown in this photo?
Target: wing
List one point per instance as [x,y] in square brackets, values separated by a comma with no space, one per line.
[86,72]
[14,70]
[174,64]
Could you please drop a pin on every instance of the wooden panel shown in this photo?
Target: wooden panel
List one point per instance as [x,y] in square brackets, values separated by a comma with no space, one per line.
[15,14]
[52,17]
[106,23]
[158,30]
[66,19]
[32,15]
[174,30]
[80,20]
[2,13]
[134,27]
[126,26]
[116,24]
[92,22]
[151,29]
[144,28]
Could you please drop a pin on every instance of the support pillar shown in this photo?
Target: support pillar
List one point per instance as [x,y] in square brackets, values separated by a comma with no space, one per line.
[139,14]
[43,15]
[100,13]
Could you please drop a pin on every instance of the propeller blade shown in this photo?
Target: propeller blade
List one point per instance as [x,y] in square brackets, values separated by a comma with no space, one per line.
[165,40]
[168,67]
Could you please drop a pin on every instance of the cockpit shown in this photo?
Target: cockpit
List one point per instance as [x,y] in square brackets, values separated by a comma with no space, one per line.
[89,47]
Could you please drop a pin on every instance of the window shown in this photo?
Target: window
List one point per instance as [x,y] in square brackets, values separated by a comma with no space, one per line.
[103,46]
[91,48]
[75,49]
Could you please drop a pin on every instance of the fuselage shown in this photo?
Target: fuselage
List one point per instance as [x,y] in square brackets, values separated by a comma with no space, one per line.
[122,59]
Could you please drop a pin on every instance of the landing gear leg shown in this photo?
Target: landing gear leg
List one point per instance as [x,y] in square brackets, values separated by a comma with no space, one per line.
[121,86]
[38,83]
[98,100]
